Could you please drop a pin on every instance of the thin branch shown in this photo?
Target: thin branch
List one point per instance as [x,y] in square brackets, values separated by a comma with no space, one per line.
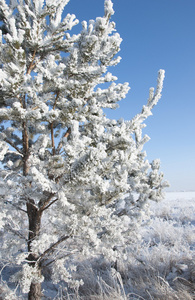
[13,145]
[45,203]
[34,108]
[49,204]
[32,64]
[67,133]
[25,148]
[52,140]
[61,257]
[57,96]
[52,131]
[19,208]
[16,232]
[51,248]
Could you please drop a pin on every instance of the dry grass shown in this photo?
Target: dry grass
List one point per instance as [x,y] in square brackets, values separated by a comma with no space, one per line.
[160,267]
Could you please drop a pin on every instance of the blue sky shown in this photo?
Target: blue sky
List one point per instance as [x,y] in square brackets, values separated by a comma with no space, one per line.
[157,34]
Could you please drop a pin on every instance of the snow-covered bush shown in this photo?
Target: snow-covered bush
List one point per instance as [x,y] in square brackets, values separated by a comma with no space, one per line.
[72,181]
[161,267]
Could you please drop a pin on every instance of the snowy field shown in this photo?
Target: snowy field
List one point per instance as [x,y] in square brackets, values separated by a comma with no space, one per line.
[160,266]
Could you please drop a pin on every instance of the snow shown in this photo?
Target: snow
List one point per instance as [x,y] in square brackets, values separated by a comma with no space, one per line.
[182,196]
[49,93]
[166,252]
[178,204]
[176,200]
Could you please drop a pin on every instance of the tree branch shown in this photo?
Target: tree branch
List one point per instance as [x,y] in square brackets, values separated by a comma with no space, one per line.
[52,131]
[51,248]
[49,204]
[13,145]
[44,204]
[52,140]
[34,108]
[67,133]
[25,149]
[58,258]
[57,96]
[16,232]
[19,208]
[32,64]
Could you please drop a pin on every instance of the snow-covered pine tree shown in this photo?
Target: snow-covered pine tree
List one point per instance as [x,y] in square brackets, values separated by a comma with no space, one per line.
[72,181]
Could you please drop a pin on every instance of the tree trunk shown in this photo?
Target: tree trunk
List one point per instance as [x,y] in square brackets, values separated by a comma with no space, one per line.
[35,291]
[34,217]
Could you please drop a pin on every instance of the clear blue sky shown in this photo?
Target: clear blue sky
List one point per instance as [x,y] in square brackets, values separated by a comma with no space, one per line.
[157,34]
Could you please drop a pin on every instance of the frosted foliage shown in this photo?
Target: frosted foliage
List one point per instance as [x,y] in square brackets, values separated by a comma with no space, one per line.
[108,6]
[26,276]
[72,181]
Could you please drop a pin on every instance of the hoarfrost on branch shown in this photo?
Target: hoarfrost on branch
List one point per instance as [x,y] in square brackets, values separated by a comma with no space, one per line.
[72,181]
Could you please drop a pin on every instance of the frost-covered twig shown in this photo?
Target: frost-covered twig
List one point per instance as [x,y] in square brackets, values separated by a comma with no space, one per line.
[52,247]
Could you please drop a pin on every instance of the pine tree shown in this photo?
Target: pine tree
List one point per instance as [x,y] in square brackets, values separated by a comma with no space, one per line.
[72,181]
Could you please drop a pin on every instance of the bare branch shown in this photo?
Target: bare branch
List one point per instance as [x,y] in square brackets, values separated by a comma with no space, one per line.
[32,64]
[44,204]
[16,232]
[49,204]
[13,145]
[19,208]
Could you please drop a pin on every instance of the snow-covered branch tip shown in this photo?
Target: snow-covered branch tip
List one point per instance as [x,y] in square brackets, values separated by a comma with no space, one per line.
[154,97]
[152,101]
[108,8]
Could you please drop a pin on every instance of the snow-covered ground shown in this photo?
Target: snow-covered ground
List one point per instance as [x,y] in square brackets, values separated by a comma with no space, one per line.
[178,199]
[160,266]
[178,205]
[167,253]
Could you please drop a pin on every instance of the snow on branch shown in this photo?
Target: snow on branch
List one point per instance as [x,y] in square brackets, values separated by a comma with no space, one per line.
[67,172]
[152,101]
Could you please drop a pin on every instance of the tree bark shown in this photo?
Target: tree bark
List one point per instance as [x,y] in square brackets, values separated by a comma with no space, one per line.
[34,217]
[35,291]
